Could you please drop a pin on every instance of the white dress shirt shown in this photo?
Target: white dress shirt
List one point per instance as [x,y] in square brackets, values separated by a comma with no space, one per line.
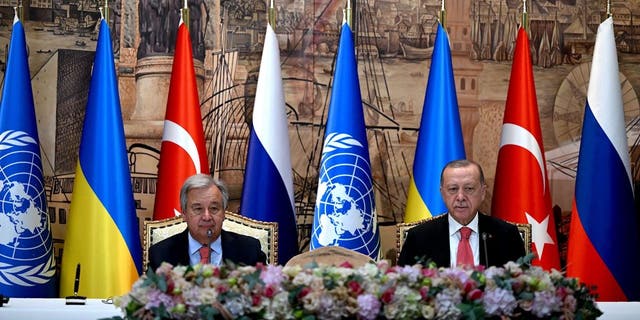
[454,239]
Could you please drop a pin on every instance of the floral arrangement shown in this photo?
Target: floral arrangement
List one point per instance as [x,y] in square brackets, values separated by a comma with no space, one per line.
[373,291]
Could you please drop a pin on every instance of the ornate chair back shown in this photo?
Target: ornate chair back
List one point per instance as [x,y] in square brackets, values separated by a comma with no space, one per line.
[266,232]
[403,228]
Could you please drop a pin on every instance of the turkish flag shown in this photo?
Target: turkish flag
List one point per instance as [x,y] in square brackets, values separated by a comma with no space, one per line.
[183,151]
[521,191]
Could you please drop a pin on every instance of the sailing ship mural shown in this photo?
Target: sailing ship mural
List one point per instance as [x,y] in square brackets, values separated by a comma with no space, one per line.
[393,40]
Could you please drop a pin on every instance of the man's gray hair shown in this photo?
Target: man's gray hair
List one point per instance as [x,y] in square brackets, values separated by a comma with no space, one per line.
[200,181]
[462,163]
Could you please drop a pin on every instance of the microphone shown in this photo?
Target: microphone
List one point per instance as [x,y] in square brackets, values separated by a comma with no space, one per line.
[484,245]
[209,236]
[75,299]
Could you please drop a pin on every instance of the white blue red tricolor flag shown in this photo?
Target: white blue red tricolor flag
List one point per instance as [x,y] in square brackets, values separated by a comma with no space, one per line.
[604,246]
[345,211]
[27,266]
[267,192]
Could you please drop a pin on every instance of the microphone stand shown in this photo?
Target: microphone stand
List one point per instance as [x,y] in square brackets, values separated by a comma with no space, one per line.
[484,244]
[209,236]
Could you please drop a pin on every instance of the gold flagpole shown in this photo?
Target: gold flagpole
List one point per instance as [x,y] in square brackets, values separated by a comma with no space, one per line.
[185,14]
[346,13]
[272,15]
[106,11]
[443,14]
[609,15]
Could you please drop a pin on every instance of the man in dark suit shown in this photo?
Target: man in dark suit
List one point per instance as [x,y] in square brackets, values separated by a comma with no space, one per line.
[203,201]
[493,242]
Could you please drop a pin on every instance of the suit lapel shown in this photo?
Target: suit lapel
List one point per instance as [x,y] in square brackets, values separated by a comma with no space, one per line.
[443,256]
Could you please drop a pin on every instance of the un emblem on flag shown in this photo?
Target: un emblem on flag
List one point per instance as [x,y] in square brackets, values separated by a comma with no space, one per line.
[26,257]
[345,209]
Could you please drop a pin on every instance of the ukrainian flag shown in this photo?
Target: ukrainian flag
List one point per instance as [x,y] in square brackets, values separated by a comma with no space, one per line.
[440,139]
[102,230]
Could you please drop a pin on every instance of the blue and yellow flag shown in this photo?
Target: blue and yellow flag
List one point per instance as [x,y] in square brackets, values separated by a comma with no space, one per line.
[440,138]
[102,230]
[269,155]
[345,211]
[27,266]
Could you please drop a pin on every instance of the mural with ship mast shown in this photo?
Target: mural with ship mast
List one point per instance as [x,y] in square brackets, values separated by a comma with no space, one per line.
[394,40]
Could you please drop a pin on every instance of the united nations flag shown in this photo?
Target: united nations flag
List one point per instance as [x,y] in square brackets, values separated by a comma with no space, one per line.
[345,211]
[27,267]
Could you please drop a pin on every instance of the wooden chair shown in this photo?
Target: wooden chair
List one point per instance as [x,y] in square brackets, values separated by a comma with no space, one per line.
[266,232]
[403,228]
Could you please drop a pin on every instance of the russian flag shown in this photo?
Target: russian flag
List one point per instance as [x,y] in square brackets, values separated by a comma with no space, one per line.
[267,192]
[604,248]
[102,230]
[440,139]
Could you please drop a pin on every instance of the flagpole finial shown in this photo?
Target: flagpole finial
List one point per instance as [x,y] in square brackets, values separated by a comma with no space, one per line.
[272,14]
[609,15]
[16,17]
[184,14]
[347,14]
[442,14]
[20,11]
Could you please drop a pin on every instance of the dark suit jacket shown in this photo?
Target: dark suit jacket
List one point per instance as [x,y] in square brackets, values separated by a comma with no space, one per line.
[239,249]
[430,241]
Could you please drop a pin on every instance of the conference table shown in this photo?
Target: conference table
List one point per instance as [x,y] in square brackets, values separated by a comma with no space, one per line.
[56,309]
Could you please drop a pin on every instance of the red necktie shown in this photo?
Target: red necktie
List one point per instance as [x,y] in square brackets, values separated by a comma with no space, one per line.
[204,255]
[465,255]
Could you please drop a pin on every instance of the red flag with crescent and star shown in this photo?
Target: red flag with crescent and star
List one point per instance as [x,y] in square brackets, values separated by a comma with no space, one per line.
[521,190]
[183,151]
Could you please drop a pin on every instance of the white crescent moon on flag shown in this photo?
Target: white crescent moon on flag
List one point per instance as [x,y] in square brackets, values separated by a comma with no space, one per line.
[521,137]
[175,133]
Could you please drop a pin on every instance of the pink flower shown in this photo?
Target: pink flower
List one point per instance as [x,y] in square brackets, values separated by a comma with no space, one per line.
[424,293]
[272,275]
[429,272]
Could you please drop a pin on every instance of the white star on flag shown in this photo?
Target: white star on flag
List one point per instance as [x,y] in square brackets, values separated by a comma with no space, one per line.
[540,233]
